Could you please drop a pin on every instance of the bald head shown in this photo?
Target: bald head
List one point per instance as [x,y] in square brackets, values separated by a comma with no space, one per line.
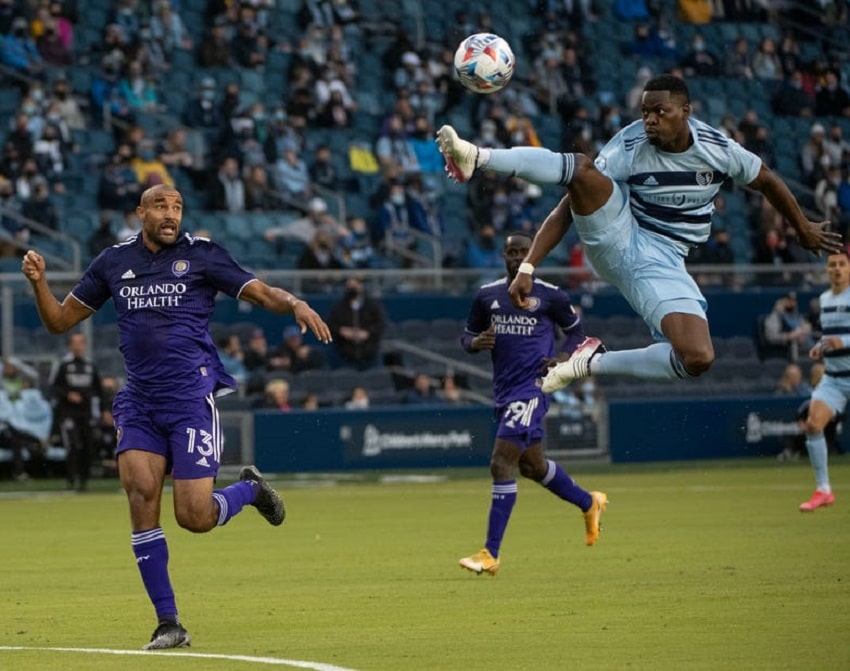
[158,191]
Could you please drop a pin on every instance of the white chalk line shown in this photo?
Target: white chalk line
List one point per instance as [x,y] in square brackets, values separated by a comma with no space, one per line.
[272,661]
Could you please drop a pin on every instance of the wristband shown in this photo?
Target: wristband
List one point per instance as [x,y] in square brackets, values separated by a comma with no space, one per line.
[526,268]
[292,301]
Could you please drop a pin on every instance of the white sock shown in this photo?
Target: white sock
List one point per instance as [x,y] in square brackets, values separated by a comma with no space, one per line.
[534,164]
[816,445]
[651,363]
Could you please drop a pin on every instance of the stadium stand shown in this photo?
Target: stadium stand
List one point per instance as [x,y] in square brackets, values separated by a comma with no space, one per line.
[277,106]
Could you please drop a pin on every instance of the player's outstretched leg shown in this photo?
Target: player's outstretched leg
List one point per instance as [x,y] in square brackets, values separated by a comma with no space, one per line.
[169,634]
[592,517]
[268,501]
[481,562]
[574,368]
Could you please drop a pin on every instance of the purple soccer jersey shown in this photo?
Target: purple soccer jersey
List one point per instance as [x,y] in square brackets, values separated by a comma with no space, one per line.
[164,303]
[524,338]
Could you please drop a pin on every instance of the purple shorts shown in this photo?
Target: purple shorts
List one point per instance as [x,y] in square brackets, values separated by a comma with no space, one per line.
[188,436]
[521,421]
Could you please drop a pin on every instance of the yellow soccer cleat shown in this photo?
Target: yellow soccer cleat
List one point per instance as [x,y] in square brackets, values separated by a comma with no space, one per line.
[481,562]
[591,517]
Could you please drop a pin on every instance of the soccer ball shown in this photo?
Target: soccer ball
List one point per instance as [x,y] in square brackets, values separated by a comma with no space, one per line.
[484,62]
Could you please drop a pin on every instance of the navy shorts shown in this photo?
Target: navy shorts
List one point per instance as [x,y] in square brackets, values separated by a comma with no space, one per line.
[521,421]
[188,434]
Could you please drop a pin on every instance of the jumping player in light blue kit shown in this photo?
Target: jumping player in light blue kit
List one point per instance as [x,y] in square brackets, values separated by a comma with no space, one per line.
[638,210]
[163,284]
[520,342]
[830,396]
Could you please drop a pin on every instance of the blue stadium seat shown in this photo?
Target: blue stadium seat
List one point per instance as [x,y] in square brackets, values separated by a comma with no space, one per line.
[237,225]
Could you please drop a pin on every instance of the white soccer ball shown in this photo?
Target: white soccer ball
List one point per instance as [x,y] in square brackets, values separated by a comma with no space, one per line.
[484,62]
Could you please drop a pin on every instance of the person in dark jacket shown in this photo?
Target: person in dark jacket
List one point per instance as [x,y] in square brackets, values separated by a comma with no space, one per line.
[78,398]
[357,324]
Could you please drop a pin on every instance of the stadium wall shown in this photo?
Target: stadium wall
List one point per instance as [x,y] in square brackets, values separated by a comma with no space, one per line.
[439,437]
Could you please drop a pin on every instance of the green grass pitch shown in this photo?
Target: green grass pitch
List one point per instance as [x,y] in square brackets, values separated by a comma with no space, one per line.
[699,566]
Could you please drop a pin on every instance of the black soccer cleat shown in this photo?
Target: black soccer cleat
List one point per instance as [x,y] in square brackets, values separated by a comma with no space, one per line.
[169,635]
[268,501]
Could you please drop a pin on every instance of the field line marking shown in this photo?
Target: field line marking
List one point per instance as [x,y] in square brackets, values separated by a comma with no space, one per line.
[274,661]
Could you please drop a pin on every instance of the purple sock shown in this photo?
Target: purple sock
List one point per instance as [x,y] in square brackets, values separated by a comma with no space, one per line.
[151,552]
[563,486]
[504,497]
[233,498]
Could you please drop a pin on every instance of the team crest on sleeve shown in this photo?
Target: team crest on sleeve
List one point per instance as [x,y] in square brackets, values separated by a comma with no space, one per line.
[533,304]
[180,268]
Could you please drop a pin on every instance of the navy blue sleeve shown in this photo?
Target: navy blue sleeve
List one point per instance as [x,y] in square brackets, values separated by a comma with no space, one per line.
[223,271]
[477,321]
[93,290]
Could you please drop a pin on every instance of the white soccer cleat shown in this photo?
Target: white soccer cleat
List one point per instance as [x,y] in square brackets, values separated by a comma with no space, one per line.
[461,156]
[574,368]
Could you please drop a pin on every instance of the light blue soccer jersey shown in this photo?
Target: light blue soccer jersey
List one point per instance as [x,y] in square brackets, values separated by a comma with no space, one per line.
[835,322]
[672,193]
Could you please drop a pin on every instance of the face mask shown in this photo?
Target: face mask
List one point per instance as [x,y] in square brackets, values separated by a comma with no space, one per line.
[699,46]
[208,95]
[37,94]
[146,155]
[397,199]
[29,110]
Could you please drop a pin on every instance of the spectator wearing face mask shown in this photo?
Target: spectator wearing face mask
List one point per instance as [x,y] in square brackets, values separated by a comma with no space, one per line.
[227,189]
[427,153]
[700,61]
[203,113]
[50,46]
[791,97]
[304,228]
[357,325]
[400,215]
[50,155]
[119,188]
[483,251]
[19,52]
[66,104]
[40,208]
[149,168]
[138,89]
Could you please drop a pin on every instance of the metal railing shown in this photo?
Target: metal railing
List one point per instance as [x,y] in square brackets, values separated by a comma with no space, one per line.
[75,264]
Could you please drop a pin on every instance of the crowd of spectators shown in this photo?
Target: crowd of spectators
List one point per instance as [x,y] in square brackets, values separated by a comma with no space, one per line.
[240,146]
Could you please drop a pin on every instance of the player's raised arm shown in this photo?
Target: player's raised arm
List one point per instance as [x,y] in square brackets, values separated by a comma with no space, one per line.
[57,317]
[551,232]
[280,301]
[813,236]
